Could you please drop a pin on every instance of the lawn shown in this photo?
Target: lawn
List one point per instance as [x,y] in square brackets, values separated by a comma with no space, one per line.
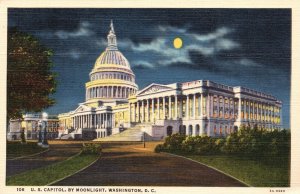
[16,149]
[255,172]
[51,173]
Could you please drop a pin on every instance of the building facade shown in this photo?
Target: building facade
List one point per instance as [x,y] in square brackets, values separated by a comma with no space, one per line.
[29,124]
[202,107]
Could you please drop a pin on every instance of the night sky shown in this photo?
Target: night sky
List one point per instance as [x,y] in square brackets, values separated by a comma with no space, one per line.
[236,47]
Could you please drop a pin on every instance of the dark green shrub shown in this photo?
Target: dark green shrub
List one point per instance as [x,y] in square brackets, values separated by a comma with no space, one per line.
[174,142]
[91,148]
[159,148]
[189,144]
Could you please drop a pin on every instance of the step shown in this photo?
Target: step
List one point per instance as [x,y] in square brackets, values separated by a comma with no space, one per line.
[130,134]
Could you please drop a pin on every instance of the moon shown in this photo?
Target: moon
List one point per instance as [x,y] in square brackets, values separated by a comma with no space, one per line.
[177,43]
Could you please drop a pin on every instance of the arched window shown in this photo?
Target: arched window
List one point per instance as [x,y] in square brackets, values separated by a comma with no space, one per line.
[190,130]
[182,129]
[197,130]
[169,130]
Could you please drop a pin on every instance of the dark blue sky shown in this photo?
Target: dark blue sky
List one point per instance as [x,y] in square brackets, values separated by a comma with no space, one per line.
[247,47]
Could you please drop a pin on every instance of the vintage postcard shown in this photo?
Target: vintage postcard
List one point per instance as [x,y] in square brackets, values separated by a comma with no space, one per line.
[132,97]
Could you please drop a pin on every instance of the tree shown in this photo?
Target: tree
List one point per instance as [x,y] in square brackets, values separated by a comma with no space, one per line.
[29,77]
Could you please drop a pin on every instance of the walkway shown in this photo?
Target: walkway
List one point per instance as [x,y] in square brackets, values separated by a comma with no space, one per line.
[132,165]
[58,151]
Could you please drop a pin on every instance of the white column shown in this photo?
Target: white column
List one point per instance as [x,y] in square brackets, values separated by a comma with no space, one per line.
[164,107]
[148,119]
[223,108]
[187,110]
[158,108]
[87,121]
[138,109]
[152,110]
[101,120]
[113,121]
[108,120]
[280,114]
[181,107]
[240,109]
[143,111]
[170,107]
[91,123]
[76,122]
[105,120]
[194,106]
[129,113]
[79,121]
[257,118]
[176,106]
[134,112]
[249,108]
[200,105]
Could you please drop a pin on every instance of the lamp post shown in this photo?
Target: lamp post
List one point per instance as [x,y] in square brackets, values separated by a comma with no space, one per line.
[40,133]
[144,140]
[43,131]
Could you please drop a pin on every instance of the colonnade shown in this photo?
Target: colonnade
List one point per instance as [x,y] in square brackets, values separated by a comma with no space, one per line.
[168,107]
[109,92]
[192,107]
[101,120]
[251,110]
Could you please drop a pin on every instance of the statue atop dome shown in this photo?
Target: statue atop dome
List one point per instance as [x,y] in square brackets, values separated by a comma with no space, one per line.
[111,38]
[112,26]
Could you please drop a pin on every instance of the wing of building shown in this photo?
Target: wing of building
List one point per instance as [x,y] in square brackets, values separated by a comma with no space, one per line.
[116,110]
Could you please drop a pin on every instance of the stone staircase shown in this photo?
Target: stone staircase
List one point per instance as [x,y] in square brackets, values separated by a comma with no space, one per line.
[131,134]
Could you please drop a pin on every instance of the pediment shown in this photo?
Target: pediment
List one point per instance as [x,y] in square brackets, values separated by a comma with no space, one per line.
[82,108]
[154,88]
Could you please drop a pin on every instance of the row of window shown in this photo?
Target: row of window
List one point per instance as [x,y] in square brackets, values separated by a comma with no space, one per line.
[121,76]
[109,91]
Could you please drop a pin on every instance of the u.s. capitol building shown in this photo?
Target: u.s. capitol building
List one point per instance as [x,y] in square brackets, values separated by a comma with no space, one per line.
[116,109]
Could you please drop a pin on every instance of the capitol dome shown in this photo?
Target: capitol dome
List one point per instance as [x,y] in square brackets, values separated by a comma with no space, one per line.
[111,79]
[112,57]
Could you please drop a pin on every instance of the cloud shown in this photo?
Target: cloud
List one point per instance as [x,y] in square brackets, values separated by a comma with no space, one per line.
[207,45]
[226,44]
[82,31]
[247,63]
[74,54]
[171,29]
[142,64]
[218,33]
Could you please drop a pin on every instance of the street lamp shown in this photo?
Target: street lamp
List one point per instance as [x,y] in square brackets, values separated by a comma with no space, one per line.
[43,131]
